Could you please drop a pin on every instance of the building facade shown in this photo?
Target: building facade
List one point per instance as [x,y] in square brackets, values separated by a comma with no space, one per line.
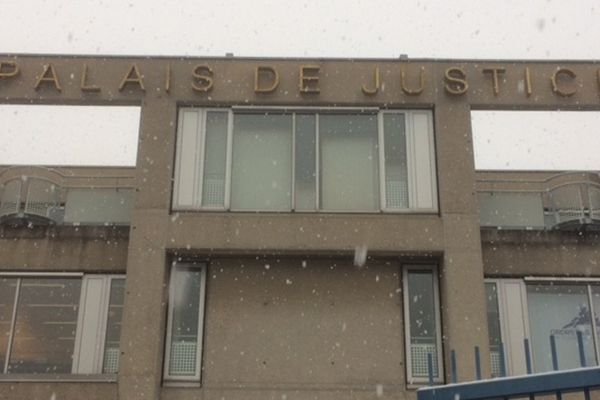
[293,229]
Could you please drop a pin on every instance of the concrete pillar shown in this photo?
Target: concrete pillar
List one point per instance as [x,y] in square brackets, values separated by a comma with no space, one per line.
[464,317]
[142,335]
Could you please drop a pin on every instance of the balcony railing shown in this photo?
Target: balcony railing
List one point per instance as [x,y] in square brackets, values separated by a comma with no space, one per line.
[533,205]
[34,200]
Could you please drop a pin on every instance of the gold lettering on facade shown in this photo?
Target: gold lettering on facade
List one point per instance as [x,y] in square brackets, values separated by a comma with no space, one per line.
[133,76]
[48,76]
[528,86]
[84,84]
[203,78]
[168,79]
[495,73]
[260,75]
[375,89]
[554,80]
[309,79]
[412,92]
[456,81]
[8,69]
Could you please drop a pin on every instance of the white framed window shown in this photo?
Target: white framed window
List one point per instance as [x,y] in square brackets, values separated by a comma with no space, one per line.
[60,323]
[305,160]
[422,323]
[535,308]
[183,349]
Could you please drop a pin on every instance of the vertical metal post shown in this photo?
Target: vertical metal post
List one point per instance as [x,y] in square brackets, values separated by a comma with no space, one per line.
[527,356]
[586,391]
[477,364]
[453,366]
[581,349]
[502,360]
[430,368]
[528,362]
[554,360]
[554,354]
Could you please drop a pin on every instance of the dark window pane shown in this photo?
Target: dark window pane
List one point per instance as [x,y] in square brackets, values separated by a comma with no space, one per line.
[7,301]
[349,162]
[305,168]
[186,287]
[495,335]
[45,327]
[559,310]
[113,327]
[423,330]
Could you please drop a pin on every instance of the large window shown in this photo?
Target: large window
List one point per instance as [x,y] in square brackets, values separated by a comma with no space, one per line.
[332,160]
[537,309]
[60,323]
[183,352]
[422,323]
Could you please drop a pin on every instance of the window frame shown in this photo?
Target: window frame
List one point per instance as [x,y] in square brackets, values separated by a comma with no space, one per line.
[411,158]
[100,332]
[505,318]
[197,377]
[433,269]
[102,319]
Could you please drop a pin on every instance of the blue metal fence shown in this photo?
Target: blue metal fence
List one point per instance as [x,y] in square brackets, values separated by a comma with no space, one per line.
[556,382]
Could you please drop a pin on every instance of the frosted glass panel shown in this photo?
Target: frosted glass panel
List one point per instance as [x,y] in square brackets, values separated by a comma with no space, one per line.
[215,159]
[186,184]
[262,162]
[110,364]
[396,172]
[349,162]
[560,310]
[305,168]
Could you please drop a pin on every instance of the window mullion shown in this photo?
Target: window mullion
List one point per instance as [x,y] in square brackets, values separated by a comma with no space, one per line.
[317,164]
[103,318]
[12,326]
[200,149]
[381,145]
[228,160]
[293,180]
[411,161]
[200,343]
[168,346]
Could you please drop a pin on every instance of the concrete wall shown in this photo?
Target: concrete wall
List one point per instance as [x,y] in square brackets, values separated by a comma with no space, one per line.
[64,248]
[452,235]
[540,253]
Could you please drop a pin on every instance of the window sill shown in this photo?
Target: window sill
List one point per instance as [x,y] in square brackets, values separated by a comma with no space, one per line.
[181,384]
[101,378]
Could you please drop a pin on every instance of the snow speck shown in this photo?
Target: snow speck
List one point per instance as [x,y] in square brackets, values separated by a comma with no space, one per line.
[360,255]
[379,389]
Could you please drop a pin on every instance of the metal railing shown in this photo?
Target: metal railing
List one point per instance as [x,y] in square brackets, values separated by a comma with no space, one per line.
[581,380]
[577,202]
[570,204]
[41,201]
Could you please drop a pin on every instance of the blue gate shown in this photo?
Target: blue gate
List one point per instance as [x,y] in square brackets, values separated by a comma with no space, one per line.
[557,382]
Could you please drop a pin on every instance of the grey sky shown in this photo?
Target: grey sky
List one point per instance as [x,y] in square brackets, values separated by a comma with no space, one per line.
[63,135]
[537,29]
[454,29]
